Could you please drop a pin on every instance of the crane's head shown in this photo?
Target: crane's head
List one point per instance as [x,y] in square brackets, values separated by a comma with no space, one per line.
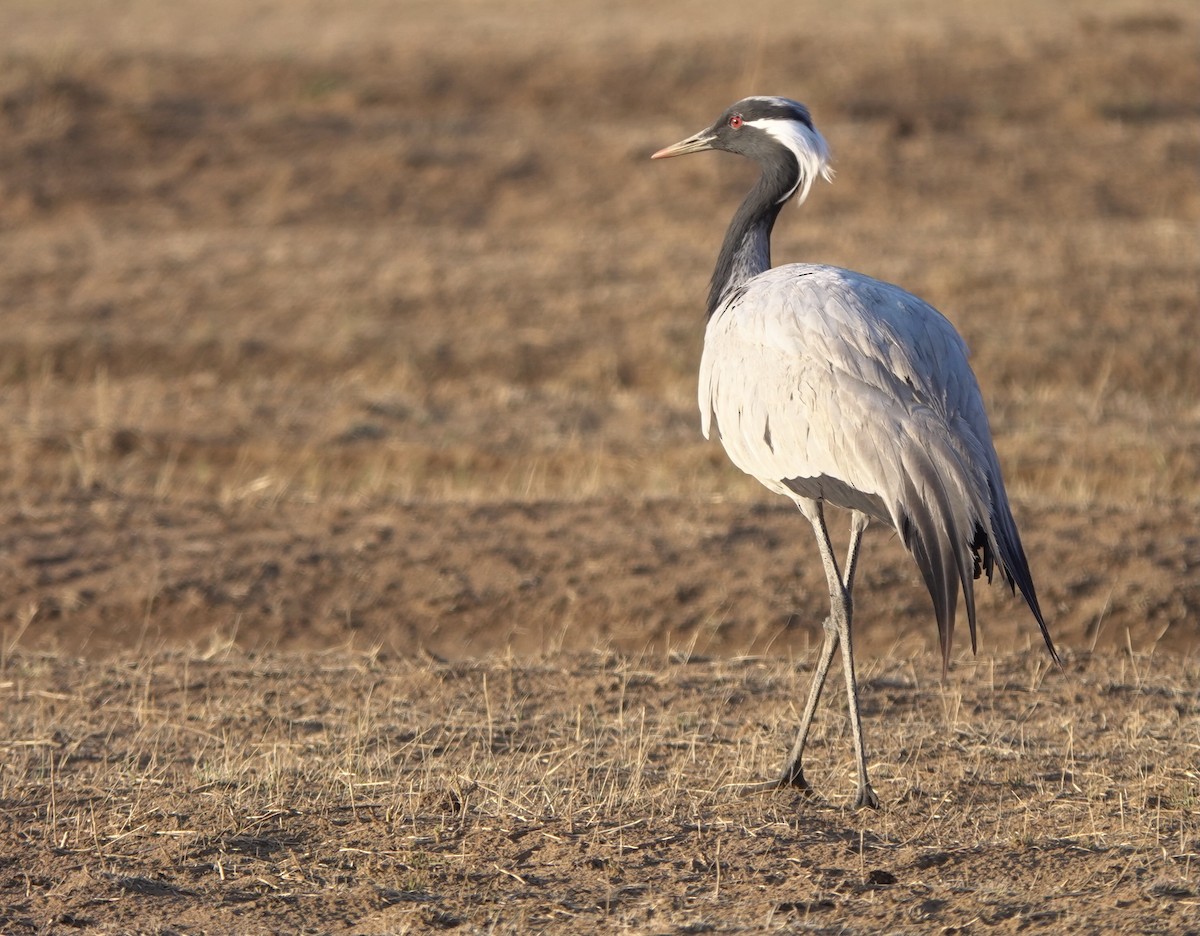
[776,132]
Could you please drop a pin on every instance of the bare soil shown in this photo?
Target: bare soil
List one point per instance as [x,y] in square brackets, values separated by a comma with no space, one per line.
[364,569]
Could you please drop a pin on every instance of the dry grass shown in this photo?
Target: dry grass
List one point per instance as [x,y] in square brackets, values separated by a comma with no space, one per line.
[434,276]
[590,793]
[329,329]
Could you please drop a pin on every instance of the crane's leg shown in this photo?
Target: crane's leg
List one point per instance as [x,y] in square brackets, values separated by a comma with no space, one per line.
[793,771]
[837,632]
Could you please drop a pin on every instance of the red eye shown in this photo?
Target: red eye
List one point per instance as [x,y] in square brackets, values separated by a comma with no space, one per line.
[735,121]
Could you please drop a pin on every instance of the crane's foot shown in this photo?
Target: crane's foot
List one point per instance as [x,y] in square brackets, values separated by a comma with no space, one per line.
[762,788]
[866,798]
[791,779]
[793,776]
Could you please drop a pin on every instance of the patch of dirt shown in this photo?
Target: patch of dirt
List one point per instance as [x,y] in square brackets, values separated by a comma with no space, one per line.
[102,573]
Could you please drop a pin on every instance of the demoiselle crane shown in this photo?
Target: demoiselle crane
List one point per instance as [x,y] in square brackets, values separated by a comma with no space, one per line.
[831,387]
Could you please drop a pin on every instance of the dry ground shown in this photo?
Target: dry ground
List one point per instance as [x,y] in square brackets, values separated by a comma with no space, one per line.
[348,793]
[347,358]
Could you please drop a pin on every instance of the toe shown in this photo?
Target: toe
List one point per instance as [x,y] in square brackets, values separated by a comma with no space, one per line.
[866,798]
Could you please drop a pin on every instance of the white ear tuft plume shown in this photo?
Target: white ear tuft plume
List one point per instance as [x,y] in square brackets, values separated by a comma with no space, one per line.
[806,144]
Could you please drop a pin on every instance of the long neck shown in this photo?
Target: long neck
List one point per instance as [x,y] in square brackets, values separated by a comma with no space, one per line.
[746,251]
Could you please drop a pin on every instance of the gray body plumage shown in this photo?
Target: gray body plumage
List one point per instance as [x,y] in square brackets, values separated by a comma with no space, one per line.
[831,387]
[825,384]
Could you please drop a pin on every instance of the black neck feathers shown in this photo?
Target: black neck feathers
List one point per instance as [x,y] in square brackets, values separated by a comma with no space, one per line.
[746,251]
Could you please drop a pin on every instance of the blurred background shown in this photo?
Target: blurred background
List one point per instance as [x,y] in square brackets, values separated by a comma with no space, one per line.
[328,324]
